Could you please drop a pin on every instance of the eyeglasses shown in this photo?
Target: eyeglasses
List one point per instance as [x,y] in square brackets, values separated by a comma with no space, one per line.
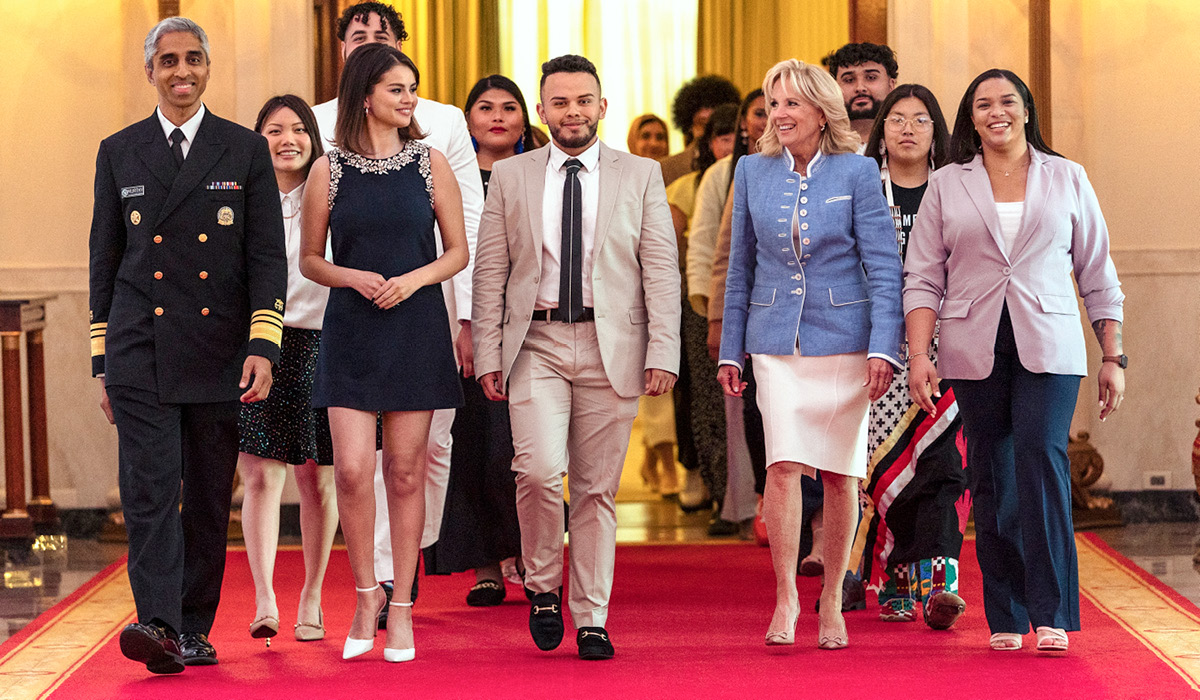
[897,122]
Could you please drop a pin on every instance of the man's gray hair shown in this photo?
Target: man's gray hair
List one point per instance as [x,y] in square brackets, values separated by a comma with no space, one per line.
[174,24]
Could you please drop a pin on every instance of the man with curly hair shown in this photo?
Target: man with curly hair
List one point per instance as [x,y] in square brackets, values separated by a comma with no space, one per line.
[690,111]
[866,73]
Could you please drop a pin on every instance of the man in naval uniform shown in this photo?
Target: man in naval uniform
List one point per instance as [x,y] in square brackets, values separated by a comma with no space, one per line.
[187,275]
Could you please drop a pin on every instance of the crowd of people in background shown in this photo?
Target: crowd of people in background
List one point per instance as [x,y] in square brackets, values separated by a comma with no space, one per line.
[847,320]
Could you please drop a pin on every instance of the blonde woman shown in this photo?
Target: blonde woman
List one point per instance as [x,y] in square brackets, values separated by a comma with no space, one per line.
[813,293]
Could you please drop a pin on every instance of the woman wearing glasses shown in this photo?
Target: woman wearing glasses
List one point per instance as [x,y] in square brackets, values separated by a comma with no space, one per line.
[915,476]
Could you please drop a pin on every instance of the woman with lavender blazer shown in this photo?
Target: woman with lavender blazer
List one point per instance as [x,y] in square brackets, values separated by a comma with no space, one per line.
[990,258]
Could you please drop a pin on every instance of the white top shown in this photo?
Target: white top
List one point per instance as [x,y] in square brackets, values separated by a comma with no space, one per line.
[305,299]
[447,132]
[552,204]
[189,128]
[1010,222]
[705,225]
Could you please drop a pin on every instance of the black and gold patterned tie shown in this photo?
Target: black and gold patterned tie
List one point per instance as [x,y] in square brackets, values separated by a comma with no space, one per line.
[570,259]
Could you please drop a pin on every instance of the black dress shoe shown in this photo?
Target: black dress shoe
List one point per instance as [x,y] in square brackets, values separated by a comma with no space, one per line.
[486,594]
[381,619]
[594,644]
[545,620]
[154,645]
[197,650]
[854,594]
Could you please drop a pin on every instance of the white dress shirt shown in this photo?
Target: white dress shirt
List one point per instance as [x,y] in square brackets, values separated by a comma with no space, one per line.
[306,299]
[552,204]
[189,128]
[446,130]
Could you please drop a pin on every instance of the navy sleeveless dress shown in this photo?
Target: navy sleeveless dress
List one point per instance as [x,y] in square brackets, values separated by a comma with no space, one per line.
[398,359]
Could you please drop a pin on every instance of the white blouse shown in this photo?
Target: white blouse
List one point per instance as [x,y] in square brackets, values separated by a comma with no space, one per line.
[1010,222]
[305,299]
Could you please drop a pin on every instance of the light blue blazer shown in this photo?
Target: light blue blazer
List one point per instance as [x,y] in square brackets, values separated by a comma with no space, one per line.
[839,290]
[957,266]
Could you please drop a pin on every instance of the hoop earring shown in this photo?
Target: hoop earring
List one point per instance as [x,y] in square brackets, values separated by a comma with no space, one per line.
[822,127]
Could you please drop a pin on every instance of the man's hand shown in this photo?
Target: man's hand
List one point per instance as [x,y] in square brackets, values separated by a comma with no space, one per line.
[463,350]
[730,379]
[923,383]
[658,382]
[258,367]
[1112,388]
[493,386]
[104,404]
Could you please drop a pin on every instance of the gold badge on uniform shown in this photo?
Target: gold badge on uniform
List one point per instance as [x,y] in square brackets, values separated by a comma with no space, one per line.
[135,216]
[225,216]
[279,305]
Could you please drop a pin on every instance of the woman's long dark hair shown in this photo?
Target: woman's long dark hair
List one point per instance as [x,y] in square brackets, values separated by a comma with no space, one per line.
[741,146]
[500,82]
[941,135]
[302,110]
[724,120]
[965,143]
[364,69]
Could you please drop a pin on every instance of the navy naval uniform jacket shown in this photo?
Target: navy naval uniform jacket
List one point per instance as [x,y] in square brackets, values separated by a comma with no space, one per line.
[188,274]
[188,270]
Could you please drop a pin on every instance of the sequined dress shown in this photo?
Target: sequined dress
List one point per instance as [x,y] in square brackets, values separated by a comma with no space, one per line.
[399,359]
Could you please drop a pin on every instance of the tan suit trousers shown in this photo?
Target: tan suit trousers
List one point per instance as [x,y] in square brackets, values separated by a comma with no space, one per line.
[568,421]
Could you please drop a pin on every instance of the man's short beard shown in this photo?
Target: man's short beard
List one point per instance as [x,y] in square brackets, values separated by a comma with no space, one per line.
[864,113]
[585,139]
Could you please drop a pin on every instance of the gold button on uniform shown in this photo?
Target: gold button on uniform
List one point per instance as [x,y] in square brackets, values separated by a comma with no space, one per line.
[203,237]
[204,311]
[158,239]
[203,275]
[158,311]
[157,275]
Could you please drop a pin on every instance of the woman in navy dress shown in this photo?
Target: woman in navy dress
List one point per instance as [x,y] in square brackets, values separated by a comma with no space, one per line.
[385,344]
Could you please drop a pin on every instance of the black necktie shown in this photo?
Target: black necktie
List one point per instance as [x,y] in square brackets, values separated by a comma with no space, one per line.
[570,259]
[177,146]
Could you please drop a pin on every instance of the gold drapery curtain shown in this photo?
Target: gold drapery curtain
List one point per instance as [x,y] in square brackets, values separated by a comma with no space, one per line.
[453,42]
[742,39]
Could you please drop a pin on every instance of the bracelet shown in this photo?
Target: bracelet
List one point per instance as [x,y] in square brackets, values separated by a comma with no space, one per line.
[917,354]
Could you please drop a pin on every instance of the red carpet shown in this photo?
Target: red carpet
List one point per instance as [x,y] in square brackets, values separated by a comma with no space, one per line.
[687,622]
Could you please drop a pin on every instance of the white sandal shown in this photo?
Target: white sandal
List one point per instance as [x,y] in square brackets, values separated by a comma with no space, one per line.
[1051,639]
[1005,641]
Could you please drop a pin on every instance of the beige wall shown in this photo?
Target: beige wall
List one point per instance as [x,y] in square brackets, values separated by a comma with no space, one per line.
[71,74]
[1123,110]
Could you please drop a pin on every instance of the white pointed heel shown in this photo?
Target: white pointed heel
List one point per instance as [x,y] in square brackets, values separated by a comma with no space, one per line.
[358,647]
[399,655]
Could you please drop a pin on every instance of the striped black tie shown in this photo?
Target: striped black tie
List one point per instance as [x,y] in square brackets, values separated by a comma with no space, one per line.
[570,260]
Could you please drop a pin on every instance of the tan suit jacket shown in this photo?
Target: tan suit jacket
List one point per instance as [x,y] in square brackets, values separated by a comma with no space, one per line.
[635,273]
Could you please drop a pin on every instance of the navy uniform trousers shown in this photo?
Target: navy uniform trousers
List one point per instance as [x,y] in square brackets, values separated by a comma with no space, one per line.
[161,446]
[1017,424]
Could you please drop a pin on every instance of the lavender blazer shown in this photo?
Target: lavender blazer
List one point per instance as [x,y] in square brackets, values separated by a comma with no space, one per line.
[956,265]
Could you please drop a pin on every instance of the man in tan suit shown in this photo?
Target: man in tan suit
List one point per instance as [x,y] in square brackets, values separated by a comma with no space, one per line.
[576,313]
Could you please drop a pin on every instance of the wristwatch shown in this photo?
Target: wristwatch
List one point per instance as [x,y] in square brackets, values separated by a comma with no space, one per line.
[1121,361]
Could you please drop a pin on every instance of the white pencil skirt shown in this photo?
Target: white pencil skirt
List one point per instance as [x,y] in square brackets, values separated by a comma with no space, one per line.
[814,410]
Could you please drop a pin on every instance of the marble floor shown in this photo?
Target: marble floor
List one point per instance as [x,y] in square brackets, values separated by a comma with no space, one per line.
[36,580]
